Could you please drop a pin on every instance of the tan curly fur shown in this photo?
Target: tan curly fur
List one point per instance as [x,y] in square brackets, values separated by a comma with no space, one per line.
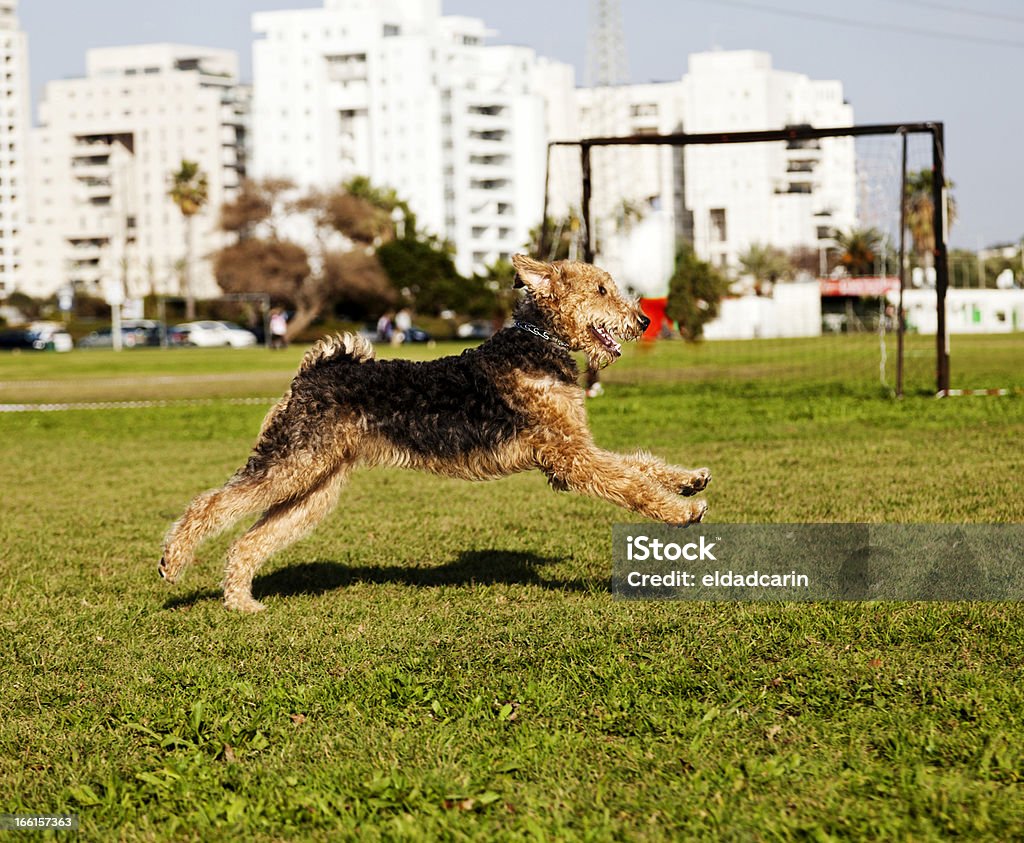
[511,405]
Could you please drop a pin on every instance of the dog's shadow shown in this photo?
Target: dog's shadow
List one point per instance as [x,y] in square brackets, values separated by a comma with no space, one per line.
[472,567]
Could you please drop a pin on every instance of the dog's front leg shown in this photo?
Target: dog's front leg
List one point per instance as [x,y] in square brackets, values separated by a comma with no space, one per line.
[680,481]
[616,479]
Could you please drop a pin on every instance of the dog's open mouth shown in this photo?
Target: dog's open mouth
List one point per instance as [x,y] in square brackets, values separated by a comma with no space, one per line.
[606,339]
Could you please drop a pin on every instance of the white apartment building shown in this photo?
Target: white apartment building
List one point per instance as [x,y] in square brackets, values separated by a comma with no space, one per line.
[14,125]
[101,165]
[416,101]
[722,198]
[792,195]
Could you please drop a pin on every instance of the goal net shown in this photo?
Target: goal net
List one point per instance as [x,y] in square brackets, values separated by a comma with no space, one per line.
[803,224]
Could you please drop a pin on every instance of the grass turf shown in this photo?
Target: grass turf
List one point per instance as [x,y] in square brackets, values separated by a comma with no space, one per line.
[444,660]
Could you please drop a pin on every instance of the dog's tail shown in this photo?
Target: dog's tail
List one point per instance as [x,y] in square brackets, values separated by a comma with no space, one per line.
[353,346]
[337,345]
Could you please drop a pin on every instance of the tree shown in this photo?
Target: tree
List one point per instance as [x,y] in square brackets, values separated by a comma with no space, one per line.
[864,251]
[423,269]
[921,212]
[308,250]
[190,192]
[561,237]
[695,291]
[767,265]
[276,267]
[500,279]
[254,206]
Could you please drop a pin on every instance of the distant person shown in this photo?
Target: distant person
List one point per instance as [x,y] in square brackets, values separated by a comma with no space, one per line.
[386,326]
[403,324]
[278,329]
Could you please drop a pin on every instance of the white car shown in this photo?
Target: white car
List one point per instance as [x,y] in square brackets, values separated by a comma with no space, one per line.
[209,334]
[51,335]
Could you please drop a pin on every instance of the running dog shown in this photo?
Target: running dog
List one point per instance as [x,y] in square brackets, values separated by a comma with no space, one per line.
[510,405]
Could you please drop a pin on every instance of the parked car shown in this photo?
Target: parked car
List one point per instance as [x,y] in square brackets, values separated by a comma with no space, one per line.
[135,333]
[103,338]
[208,333]
[479,330]
[39,336]
[415,334]
[141,332]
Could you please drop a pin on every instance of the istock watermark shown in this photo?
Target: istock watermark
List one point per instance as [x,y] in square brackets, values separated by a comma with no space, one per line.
[785,562]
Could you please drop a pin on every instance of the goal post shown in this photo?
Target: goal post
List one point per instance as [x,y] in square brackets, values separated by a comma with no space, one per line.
[792,134]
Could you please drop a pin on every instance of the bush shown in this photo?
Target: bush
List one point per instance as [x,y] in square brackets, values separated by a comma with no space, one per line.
[694,293]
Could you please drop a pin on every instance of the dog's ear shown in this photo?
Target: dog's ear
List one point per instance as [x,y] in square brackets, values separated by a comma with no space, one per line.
[534,275]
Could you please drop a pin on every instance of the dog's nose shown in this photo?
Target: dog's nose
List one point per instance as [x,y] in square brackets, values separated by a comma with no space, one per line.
[644,322]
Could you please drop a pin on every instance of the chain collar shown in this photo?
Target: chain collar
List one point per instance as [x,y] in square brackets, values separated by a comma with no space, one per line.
[530,328]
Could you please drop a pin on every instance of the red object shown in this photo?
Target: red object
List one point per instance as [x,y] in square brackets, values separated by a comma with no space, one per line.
[866,286]
[654,309]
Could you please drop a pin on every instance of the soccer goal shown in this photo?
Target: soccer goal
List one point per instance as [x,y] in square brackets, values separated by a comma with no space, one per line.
[833,239]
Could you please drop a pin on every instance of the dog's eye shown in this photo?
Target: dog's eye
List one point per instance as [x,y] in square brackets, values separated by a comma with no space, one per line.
[602,290]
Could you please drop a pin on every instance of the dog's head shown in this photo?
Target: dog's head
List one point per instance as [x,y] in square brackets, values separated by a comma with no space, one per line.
[581,305]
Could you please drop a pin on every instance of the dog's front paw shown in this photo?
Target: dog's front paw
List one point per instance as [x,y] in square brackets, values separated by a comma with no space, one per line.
[684,514]
[168,572]
[699,508]
[559,484]
[695,481]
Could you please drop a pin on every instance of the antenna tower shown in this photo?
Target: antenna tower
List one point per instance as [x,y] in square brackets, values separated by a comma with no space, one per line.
[606,46]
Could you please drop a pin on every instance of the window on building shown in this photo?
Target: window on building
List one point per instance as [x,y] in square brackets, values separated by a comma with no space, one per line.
[716,217]
[643,109]
[490,110]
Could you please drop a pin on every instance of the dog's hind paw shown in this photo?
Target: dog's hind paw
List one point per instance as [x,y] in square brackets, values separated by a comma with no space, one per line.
[243,603]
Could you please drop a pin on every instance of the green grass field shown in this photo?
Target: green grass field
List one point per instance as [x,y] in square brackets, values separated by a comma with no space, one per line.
[444,660]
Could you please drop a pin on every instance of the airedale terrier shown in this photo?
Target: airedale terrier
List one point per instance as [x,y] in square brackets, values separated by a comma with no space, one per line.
[509,405]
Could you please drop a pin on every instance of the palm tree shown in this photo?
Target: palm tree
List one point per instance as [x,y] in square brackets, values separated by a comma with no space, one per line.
[766,264]
[859,249]
[190,192]
[558,238]
[921,212]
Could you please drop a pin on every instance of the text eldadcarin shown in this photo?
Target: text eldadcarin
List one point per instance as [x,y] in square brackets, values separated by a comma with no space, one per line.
[811,562]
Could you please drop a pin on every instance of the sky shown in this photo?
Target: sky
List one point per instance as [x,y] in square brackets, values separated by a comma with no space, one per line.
[955,61]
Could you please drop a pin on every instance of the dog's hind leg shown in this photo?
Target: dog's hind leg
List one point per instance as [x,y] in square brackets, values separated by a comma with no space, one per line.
[208,514]
[250,490]
[278,527]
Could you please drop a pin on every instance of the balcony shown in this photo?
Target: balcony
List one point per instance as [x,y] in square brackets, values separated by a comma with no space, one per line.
[491,213]
[345,68]
[87,252]
[99,148]
[801,166]
[489,172]
[95,187]
[488,136]
[88,169]
[489,183]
